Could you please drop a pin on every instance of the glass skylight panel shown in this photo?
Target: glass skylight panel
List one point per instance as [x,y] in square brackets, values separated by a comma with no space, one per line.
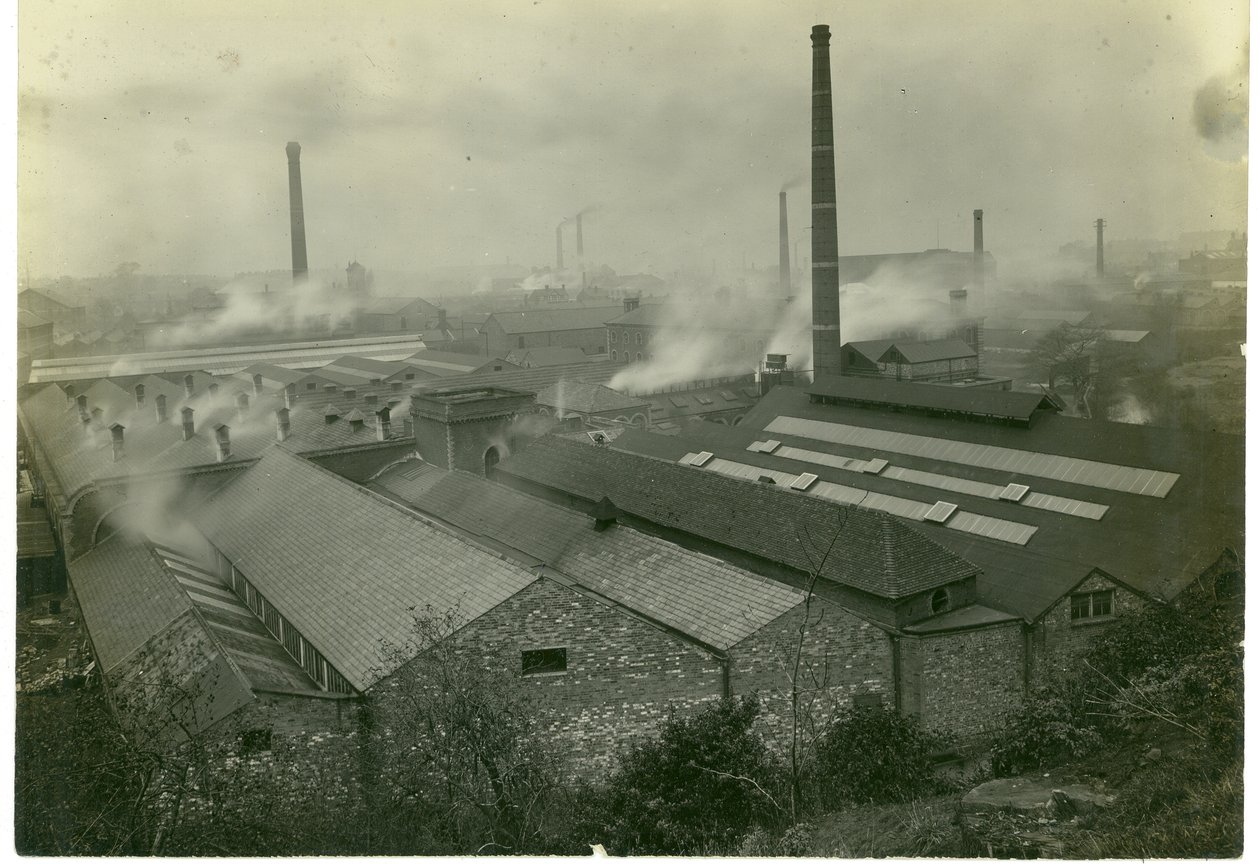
[874,466]
[804,481]
[701,458]
[940,512]
[728,395]
[678,401]
[686,460]
[704,399]
[1087,472]
[754,447]
[1013,492]
[769,446]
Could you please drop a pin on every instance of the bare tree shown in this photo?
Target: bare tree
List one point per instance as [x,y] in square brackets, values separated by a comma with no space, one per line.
[1068,351]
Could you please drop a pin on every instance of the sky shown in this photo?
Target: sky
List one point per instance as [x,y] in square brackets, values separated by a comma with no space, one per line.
[439,134]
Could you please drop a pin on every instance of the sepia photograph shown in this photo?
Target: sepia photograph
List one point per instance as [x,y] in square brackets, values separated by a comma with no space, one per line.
[549,428]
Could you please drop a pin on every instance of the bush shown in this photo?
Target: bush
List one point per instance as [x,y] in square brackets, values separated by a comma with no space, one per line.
[702,785]
[875,755]
[1052,727]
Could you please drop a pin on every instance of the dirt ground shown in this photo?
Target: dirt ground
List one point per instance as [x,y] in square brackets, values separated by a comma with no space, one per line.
[50,645]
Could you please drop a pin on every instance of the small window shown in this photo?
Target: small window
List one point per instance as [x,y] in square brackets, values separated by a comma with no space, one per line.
[544,661]
[638,338]
[310,386]
[409,376]
[940,601]
[638,356]
[255,741]
[1094,604]
[520,341]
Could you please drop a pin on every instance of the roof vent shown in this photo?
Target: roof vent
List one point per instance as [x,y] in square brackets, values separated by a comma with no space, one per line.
[766,479]
[1013,492]
[754,447]
[159,407]
[356,420]
[258,384]
[382,424]
[331,413]
[770,446]
[188,386]
[290,394]
[686,459]
[139,395]
[602,439]
[874,466]
[804,481]
[605,513]
[701,459]
[242,405]
[940,512]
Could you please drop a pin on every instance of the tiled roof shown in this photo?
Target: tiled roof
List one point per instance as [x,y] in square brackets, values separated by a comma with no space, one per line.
[586,398]
[875,552]
[692,593]
[544,320]
[344,567]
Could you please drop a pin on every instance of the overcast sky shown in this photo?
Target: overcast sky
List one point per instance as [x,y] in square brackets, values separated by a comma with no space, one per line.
[456,133]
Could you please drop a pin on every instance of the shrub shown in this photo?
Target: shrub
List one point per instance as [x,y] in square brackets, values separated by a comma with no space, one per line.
[1051,727]
[875,755]
[702,785]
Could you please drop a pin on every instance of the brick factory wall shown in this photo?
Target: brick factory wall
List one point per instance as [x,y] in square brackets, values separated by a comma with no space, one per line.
[622,674]
[919,607]
[847,655]
[1059,642]
[361,464]
[961,683]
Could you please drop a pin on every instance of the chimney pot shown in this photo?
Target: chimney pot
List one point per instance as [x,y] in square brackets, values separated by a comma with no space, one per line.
[186,421]
[159,407]
[188,386]
[290,394]
[282,424]
[382,424]
[223,442]
[139,389]
[116,440]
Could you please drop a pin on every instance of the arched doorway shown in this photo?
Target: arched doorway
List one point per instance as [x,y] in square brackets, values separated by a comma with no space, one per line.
[491,459]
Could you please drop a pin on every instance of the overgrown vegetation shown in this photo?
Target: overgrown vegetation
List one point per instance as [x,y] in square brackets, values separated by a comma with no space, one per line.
[876,756]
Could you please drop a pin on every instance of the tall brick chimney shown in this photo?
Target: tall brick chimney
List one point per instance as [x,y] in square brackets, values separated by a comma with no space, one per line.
[1098,248]
[823,246]
[297,219]
[559,247]
[578,228]
[785,263]
[977,253]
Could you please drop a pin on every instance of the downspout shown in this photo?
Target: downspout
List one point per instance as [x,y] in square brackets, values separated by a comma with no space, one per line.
[895,642]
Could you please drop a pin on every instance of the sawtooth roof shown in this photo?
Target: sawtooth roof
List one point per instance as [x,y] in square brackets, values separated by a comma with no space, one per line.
[345,567]
[702,597]
[876,553]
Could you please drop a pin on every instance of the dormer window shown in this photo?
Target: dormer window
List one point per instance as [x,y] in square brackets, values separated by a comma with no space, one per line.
[940,601]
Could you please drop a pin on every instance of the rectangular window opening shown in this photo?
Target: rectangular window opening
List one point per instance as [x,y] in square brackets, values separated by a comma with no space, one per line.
[544,661]
[1093,604]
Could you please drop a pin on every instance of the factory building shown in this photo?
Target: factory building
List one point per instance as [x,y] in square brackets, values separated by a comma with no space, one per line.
[640,332]
[579,327]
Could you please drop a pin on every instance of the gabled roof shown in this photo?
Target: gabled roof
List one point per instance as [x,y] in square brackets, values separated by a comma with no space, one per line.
[544,320]
[697,595]
[586,398]
[875,553]
[451,363]
[555,356]
[29,320]
[393,305]
[929,351]
[300,533]
[1000,404]
[871,349]
[365,367]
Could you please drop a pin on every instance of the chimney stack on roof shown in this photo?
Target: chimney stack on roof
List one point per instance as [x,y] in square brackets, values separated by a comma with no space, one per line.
[282,424]
[116,440]
[290,394]
[785,263]
[629,304]
[605,514]
[382,424]
[186,421]
[242,406]
[188,386]
[223,442]
[258,384]
[139,390]
[297,219]
[823,244]
[81,401]
[159,407]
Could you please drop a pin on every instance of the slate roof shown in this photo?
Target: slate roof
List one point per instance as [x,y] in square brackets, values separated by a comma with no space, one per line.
[392,305]
[929,351]
[547,320]
[735,315]
[364,367]
[554,356]
[586,398]
[345,567]
[871,349]
[1155,544]
[1002,404]
[711,601]
[876,553]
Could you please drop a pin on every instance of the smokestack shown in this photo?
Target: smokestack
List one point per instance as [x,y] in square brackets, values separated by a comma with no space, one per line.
[159,407]
[823,246]
[282,424]
[958,302]
[116,439]
[580,255]
[382,424]
[188,386]
[223,442]
[290,394]
[1098,248]
[186,421]
[559,247]
[785,263]
[297,220]
[977,254]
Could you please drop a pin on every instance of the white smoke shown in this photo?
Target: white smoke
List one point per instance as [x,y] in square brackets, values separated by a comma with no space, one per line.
[312,306]
[1129,410]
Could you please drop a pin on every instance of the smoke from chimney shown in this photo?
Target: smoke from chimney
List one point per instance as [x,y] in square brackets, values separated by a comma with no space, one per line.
[785,264]
[823,246]
[297,219]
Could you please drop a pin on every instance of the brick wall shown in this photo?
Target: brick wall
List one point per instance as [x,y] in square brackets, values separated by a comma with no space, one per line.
[1059,642]
[846,655]
[622,674]
[961,683]
[359,465]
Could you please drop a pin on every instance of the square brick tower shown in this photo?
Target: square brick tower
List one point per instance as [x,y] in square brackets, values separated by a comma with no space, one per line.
[466,429]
